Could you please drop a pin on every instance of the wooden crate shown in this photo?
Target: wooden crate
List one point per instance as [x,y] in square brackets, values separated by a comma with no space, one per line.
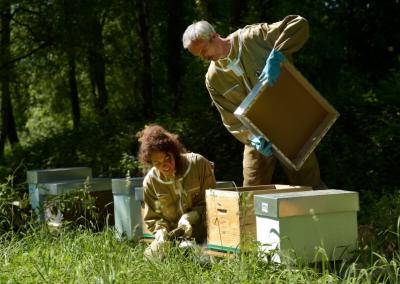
[230,214]
[291,114]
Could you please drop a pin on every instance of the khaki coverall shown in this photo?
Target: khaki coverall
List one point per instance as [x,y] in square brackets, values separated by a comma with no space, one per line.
[167,200]
[230,80]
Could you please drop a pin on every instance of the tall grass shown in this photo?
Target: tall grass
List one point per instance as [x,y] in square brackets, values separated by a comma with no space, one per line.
[34,253]
[83,256]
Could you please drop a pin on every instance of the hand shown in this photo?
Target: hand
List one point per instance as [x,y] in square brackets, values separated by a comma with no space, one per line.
[186,226]
[186,221]
[161,235]
[158,248]
[263,146]
[272,68]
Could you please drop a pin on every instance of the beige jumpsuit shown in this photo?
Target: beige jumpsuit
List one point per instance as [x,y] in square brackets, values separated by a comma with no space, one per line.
[230,79]
[167,200]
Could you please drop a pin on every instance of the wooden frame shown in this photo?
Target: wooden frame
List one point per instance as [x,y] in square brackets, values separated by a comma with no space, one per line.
[291,114]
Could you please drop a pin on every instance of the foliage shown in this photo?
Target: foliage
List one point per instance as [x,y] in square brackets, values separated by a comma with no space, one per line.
[15,212]
[109,155]
[381,224]
[76,208]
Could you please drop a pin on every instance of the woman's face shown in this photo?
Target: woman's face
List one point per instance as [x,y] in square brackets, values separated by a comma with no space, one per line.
[164,162]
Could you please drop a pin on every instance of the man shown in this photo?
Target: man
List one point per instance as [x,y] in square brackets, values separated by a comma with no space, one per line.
[238,62]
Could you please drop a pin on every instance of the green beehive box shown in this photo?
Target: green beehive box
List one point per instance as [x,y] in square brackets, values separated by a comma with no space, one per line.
[68,186]
[298,224]
[99,188]
[35,178]
[58,174]
[128,208]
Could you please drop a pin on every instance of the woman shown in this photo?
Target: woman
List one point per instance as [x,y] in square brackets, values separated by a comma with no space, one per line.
[174,188]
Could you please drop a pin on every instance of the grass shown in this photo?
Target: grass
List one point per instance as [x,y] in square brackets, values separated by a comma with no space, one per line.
[73,254]
[82,256]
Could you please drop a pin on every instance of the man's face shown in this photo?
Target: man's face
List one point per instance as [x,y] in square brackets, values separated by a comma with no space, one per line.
[206,49]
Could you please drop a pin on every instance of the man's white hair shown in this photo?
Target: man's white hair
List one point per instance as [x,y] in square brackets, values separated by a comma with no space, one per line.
[198,30]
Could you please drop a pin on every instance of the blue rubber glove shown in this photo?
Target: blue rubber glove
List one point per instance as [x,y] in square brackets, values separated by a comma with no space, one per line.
[263,146]
[272,68]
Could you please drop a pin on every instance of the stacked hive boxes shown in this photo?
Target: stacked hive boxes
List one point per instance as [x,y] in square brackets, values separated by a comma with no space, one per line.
[45,184]
[231,221]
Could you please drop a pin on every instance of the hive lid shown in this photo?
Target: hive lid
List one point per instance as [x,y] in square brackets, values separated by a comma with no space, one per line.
[57,174]
[67,186]
[278,205]
[126,185]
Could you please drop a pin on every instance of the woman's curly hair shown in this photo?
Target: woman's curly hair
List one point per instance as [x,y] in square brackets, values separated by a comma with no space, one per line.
[155,138]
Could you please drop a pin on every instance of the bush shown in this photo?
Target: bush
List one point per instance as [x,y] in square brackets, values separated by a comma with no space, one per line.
[15,211]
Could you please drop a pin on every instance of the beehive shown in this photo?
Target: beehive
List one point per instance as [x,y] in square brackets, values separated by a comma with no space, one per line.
[298,224]
[230,214]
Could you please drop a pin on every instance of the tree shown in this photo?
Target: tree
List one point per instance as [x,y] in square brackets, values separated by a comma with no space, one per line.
[97,65]
[174,46]
[8,129]
[76,113]
[147,76]
[68,36]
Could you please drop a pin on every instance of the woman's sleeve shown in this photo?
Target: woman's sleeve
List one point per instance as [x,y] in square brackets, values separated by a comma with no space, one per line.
[152,216]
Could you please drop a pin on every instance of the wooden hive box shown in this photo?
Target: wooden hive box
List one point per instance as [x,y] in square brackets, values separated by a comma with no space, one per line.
[291,114]
[230,214]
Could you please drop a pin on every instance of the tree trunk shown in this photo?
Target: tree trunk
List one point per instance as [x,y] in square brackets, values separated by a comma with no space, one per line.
[7,129]
[73,92]
[147,79]
[97,68]
[175,23]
